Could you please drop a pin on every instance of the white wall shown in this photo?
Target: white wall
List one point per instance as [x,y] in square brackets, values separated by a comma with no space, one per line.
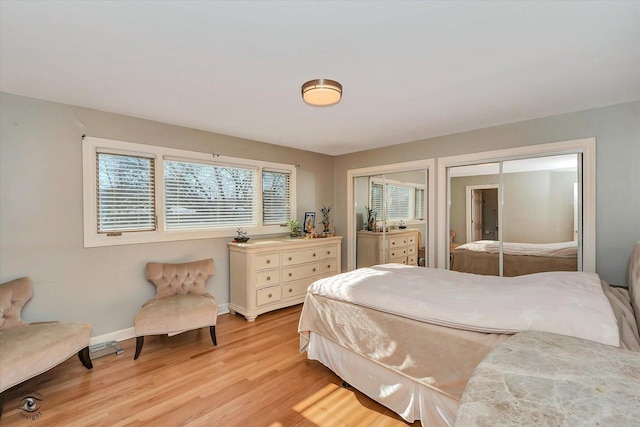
[41,213]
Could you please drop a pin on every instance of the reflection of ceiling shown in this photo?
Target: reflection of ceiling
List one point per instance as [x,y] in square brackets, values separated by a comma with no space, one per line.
[567,162]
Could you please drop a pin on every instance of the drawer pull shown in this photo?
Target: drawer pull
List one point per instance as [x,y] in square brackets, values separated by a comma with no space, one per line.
[328,265]
[393,243]
[290,274]
[290,258]
[268,278]
[314,270]
[290,290]
[268,261]
[314,254]
[270,295]
[328,252]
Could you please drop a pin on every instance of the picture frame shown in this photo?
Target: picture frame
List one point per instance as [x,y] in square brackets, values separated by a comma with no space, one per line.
[372,221]
[309,221]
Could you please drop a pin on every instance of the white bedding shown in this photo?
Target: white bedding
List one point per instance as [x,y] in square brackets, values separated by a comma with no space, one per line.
[558,250]
[567,303]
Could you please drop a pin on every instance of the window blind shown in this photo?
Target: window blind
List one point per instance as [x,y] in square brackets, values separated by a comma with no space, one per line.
[376,199]
[276,197]
[125,193]
[200,195]
[419,211]
[398,202]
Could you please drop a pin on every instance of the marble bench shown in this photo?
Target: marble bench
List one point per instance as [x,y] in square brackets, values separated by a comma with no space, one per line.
[540,378]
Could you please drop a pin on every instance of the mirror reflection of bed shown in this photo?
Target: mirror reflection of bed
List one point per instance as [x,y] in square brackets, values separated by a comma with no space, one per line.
[537,219]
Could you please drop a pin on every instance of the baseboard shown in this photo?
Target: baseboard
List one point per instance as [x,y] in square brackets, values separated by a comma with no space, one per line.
[125,334]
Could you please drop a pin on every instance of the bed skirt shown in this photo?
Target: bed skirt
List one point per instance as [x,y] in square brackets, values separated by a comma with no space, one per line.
[405,396]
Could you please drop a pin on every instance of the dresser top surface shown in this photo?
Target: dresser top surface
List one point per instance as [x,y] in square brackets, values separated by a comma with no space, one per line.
[284,243]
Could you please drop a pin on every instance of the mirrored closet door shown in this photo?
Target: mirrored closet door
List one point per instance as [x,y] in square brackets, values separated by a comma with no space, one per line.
[390,218]
[388,215]
[516,216]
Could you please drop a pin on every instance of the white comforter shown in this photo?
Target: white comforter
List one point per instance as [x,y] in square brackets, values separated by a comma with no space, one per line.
[558,250]
[567,303]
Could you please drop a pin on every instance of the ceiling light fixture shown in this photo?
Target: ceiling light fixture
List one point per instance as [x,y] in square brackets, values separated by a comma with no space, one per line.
[321,92]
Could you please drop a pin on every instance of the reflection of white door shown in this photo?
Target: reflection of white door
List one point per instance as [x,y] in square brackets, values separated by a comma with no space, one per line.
[475,224]
[476,214]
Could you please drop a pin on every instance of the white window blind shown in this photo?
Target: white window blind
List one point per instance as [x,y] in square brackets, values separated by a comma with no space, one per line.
[201,195]
[403,201]
[398,202]
[276,197]
[419,213]
[125,193]
[376,199]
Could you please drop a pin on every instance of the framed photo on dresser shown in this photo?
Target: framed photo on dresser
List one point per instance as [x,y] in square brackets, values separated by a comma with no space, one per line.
[309,221]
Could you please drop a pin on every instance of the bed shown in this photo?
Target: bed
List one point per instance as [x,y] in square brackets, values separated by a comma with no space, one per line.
[481,257]
[401,343]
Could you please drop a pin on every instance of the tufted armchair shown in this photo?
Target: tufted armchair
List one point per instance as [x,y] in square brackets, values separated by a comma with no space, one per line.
[29,349]
[181,303]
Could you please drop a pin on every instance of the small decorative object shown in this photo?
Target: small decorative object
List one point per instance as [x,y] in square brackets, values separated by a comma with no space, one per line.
[293,225]
[242,235]
[326,220]
[401,225]
[372,222]
[309,222]
[369,225]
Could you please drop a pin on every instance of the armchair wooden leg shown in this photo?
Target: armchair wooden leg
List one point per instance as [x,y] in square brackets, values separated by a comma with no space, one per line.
[212,331]
[84,357]
[139,344]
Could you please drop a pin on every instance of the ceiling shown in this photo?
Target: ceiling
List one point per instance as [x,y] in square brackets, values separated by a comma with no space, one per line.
[410,70]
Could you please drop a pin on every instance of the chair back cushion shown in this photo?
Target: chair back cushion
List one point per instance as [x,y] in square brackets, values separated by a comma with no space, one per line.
[180,279]
[13,296]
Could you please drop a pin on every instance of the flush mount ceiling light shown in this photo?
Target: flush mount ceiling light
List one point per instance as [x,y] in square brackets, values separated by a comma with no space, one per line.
[321,92]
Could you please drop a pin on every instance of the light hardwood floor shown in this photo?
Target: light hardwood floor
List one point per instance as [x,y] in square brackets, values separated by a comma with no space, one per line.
[254,377]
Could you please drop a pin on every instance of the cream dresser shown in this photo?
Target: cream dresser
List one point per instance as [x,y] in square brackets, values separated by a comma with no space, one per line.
[402,247]
[270,274]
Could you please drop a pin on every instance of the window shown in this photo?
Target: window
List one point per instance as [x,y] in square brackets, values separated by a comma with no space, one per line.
[136,193]
[200,195]
[276,197]
[404,201]
[125,193]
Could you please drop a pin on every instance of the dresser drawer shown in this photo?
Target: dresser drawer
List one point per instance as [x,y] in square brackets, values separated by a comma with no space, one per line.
[298,272]
[267,277]
[300,256]
[396,252]
[394,242]
[264,261]
[328,265]
[267,295]
[411,239]
[412,260]
[411,249]
[295,289]
[402,260]
[328,252]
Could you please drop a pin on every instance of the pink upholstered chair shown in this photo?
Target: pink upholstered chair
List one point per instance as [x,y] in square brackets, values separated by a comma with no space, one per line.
[29,349]
[181,303]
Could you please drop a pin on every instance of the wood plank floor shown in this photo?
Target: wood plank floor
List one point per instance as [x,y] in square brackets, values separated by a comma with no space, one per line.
[254,377]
